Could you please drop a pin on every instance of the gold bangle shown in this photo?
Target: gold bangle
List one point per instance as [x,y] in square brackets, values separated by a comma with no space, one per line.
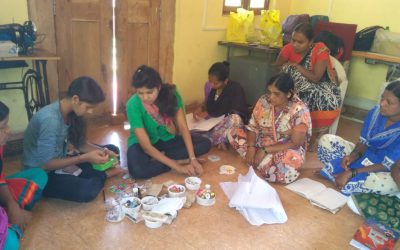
[251,146]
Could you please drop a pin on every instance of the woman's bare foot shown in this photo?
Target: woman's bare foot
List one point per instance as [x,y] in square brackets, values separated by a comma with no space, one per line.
[114,171]
[222,146]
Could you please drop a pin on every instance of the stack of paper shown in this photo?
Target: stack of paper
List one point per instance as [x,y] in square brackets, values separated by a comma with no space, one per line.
[318,194]
[255,199]
[202,124]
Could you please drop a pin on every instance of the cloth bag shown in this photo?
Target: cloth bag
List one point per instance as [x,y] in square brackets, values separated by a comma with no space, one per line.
[271,28]
[238,25]
[386,42]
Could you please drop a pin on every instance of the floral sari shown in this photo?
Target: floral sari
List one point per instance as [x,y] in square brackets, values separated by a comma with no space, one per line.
[271,128]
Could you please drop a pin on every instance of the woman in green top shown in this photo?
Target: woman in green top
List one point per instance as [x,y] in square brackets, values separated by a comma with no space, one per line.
[159,135]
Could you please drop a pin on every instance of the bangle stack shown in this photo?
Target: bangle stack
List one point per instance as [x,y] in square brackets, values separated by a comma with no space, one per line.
[193,158]
[251,146]
[265,150]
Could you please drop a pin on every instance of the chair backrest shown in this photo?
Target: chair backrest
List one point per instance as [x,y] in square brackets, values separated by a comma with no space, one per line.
[342,78]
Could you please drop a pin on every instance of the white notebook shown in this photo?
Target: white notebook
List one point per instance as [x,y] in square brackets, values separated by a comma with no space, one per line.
[318,194]
[202,124]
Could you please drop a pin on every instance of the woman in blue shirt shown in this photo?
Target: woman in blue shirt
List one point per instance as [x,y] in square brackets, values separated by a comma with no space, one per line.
[47,137]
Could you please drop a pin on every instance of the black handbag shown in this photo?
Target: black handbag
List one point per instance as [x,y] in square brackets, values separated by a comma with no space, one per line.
[365,37]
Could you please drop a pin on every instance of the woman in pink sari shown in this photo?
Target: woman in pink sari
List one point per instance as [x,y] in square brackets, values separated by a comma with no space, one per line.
[275,140]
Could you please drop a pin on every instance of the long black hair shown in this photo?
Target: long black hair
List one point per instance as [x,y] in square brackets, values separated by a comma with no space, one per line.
[148,77]
[4,111]
[283,82]
[305,29]
[89,91]
[220,70]
[394,87]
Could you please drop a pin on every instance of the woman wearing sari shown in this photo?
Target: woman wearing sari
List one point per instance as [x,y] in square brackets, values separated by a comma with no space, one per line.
[315,80]
[277,134]
[371,166]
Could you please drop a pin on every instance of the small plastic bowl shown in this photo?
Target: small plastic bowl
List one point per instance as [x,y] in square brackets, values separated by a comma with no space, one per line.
[130,204]
[152,223]
[148,202]
[205,202]
[176,190]
[192,183]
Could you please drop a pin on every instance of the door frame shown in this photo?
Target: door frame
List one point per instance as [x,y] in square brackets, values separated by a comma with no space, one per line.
[41,12]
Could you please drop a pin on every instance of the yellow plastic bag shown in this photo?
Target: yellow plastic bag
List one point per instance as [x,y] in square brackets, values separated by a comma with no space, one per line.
[238,25]
[271,28]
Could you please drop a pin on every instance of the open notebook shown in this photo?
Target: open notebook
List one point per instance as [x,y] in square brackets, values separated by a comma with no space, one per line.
[202,124]
[318,194]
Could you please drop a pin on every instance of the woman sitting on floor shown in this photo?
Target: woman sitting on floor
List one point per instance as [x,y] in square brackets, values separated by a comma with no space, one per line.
[224,97]
[48,135]
[277,134]
[315,79]
[159,135]
[367,167]
[18,193]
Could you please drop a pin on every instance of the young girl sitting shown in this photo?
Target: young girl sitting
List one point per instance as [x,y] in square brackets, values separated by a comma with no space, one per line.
[47,137]
[159,135]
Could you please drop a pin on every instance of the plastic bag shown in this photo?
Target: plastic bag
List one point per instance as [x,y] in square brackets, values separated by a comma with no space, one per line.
[238,25]
[271,28]
[386,42]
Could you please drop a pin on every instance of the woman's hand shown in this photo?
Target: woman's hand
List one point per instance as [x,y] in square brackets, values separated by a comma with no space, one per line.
[342,179]
[250,155]
[259,157]
[198,168]
[198,114]
[187,169]
[346,161]
[96,156]
[18,216]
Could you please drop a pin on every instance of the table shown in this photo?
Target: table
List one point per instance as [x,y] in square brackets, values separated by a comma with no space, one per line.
[250,48]
[34,83]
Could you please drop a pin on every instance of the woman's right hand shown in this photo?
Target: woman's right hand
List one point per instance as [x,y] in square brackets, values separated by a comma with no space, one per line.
[250,155]
[198,114]
[96,156]
[187,169]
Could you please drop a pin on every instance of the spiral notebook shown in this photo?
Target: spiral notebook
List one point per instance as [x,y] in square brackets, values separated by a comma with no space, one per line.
[202,124]
[318,194]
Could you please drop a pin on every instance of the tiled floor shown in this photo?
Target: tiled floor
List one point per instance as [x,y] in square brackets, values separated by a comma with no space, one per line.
[59,224]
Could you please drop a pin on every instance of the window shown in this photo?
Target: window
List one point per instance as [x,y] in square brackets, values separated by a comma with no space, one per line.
[256,5]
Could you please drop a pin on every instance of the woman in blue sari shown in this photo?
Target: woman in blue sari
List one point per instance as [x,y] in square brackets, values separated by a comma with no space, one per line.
[371,165]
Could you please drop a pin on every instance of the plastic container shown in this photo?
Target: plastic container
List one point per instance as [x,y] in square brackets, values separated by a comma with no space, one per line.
[114,212]
[192,183]
[103,167]
[148,202]
[130,204]
[176,190]
[152,223]
[205,197]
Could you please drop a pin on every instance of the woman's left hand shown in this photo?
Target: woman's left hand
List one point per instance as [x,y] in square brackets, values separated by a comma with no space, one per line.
[259,157]
[342,179]
[198,168]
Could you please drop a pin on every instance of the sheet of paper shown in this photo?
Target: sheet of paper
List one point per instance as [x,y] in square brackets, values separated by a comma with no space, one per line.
[203,124]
